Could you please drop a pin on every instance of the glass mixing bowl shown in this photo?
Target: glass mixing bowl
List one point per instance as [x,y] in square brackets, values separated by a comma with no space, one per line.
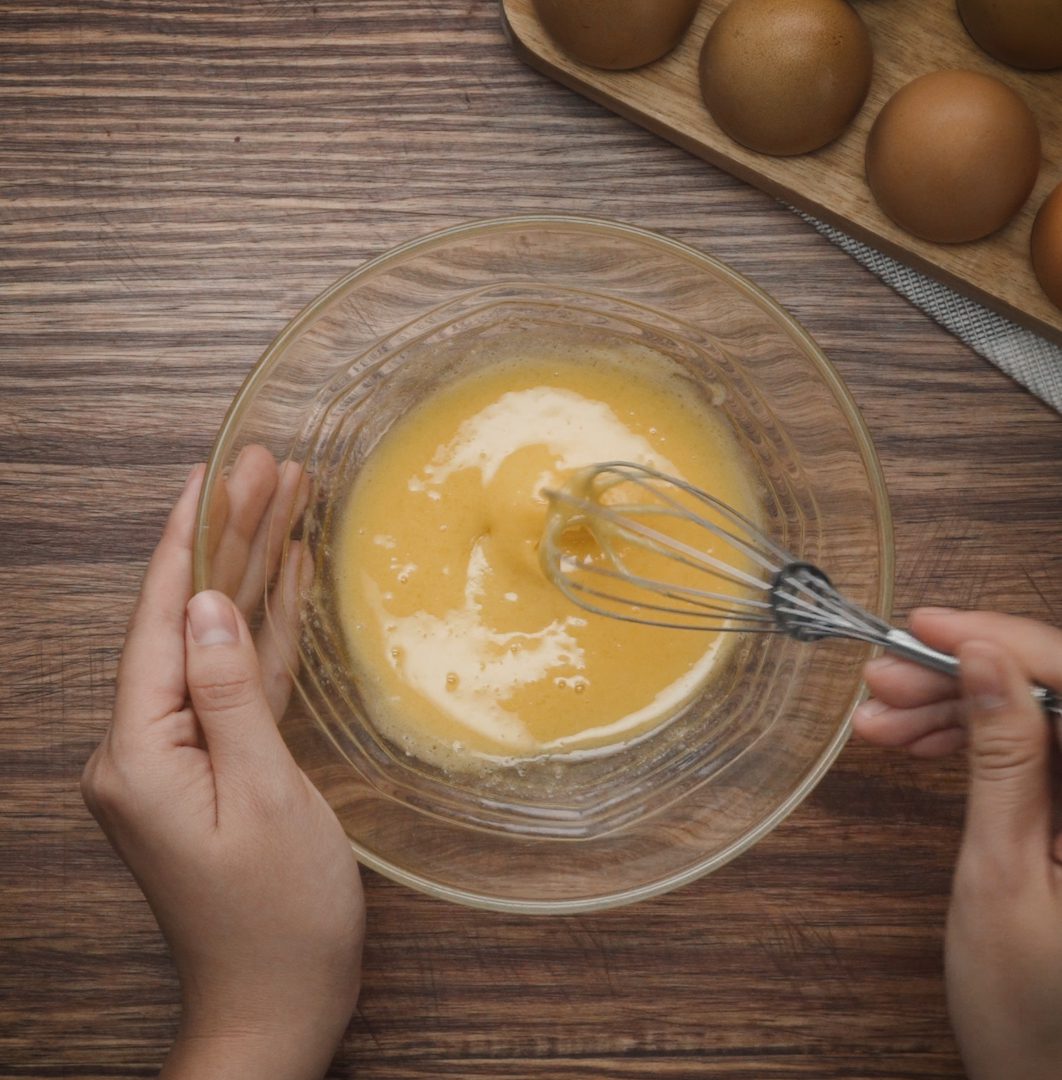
[561,836]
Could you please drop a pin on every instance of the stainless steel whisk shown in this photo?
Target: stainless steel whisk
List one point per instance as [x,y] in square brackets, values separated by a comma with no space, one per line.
[778,592]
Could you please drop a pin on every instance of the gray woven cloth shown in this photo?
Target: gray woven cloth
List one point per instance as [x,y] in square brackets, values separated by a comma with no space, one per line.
[1023,355]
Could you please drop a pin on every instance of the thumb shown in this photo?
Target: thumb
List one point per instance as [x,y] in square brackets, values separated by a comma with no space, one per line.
[225,686]
[1009,805]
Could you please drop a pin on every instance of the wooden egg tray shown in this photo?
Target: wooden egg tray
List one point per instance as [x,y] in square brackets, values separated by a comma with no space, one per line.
[910,38]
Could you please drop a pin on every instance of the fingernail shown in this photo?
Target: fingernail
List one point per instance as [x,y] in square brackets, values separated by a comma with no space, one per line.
[212,620]
[938,611]
[983,679]
[869,709]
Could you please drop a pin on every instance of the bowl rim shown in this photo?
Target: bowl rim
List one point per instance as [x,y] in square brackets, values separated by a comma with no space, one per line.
[831,378]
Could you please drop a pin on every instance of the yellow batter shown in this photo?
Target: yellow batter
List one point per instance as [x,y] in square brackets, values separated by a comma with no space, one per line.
[466,652]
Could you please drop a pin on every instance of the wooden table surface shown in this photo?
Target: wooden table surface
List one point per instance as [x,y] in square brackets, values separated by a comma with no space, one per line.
[178,179]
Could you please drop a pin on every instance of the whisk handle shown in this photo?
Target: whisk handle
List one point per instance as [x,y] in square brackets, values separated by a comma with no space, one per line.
[901,643]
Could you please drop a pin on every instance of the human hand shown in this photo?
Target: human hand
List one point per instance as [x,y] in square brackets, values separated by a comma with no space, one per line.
[245,866]
[1003,952]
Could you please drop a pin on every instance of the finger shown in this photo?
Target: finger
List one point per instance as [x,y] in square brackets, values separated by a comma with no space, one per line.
[905,685]
[278,638]
[151,672]
[250,486]
[225,686]
[1036,646]
[882,725]
[1008,812]
[216,516]
[278,521]
[939,744]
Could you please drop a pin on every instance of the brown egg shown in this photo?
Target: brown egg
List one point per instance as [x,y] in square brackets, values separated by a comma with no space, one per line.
[953,155]
[1022,33]
[785,76]
[1046,246]
[616,34]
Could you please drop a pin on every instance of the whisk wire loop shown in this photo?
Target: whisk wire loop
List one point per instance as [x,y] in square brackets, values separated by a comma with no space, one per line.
[749,541]
[794,598]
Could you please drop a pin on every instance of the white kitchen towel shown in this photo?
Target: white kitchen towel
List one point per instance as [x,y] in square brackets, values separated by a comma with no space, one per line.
[1024,356]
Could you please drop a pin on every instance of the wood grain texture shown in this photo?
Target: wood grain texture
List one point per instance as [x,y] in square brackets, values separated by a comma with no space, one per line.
[178,179]
[910,38]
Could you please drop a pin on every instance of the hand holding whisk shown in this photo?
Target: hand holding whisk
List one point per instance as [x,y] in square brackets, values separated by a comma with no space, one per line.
[674,556]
